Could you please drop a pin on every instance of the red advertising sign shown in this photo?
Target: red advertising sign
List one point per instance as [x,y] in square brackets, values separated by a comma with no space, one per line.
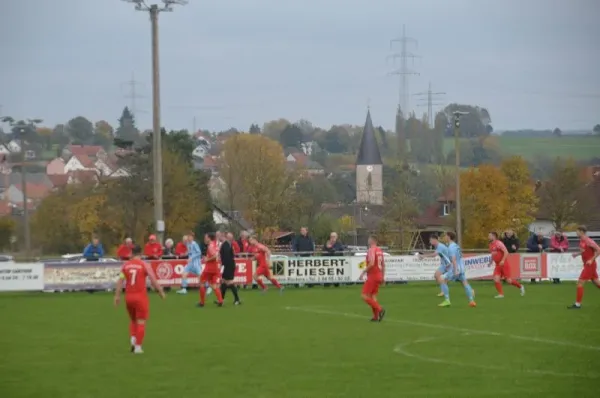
[531,265]
[169,272]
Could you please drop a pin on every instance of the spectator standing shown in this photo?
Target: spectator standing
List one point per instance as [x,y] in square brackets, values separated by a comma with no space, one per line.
[153,249]
[304,245]
[94,251]
[124,252]
[537,243]
[333,247]
[169,249]
[181,250]
[511,241]
[559,242]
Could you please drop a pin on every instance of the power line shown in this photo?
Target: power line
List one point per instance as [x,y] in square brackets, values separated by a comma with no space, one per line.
[133,94]
[431,97]
[404,71]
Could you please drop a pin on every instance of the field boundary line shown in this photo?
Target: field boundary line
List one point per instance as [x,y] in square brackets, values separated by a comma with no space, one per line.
[401,349]
[447,327]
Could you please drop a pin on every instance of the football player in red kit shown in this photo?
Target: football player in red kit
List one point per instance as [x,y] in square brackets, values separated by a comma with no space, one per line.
[133,276]
[262,255]
[211,273]
[374,273]
[502,269]
[589,253]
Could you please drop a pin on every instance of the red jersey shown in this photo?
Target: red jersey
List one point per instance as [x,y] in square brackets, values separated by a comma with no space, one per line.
[497,249]
[124,252]
[588,249]
[153,250]
[212,251]
[260,255]
[181,249]
[134,272]
[375,258]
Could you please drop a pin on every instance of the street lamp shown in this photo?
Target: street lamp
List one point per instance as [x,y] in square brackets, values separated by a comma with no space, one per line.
[154,9]
[457,116]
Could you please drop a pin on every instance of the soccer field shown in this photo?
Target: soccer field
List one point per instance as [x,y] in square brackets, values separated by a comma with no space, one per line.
[307,343]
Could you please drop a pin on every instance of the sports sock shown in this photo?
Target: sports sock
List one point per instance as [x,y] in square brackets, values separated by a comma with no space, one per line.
[445,290]
[579,294]
[373,304]
[223,289]
[132,329]
[202,294]
[274,282]
[469,291]
[219,295]
[234,290]
[261,284]
[516,283]
[499,288]
[141,332]
[183,283]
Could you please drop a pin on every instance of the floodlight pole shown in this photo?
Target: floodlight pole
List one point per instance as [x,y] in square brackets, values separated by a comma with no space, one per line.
[154,10]
[457,116]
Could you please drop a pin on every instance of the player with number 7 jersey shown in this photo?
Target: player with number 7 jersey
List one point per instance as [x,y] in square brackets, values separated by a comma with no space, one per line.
[133,277]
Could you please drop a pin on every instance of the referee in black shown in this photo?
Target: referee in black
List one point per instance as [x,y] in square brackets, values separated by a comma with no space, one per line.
[228,261]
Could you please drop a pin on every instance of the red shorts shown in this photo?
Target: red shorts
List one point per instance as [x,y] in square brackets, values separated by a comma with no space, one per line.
[263,271]
[137,307]
[214,278]
[502,271]
[589,272]
[371,286]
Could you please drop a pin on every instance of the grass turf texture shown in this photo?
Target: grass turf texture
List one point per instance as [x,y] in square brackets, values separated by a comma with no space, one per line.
[576,147]
[307,343]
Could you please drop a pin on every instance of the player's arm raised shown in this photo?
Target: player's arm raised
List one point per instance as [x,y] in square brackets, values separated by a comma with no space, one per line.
[154,281]
[119,288]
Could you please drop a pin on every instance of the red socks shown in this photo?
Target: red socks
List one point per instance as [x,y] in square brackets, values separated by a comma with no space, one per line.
[579,294]
[202,294]
[141,332]
[275,283]
[499,288]
[374,306]
[219,295]
[261,284]
[133,329]
[516,284]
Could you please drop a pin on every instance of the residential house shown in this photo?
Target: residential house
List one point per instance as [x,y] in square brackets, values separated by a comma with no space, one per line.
[298,159]
[435,217]
[56,167]
[201,151]
[35,193]
[231,219]
[91,151]
[210,164]
[59,180]
[4,150]
[14,146]
[218,189]
[83,177]
[78,163]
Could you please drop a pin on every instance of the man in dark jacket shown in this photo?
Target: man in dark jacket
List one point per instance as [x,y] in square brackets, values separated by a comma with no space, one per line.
[333,247]
[228,261]
[511,241]
[304,245]
[537,243]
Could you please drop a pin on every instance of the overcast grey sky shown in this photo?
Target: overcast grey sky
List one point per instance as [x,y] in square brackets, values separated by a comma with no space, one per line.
[532,63]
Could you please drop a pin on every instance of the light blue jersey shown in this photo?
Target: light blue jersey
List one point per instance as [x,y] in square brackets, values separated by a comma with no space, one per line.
[454,251]
[194,265]
[442,251]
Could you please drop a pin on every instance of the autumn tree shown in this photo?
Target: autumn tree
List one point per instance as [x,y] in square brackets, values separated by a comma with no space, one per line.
[103,128]
[254,129]
[475,123]
[274,128]
[596,129]
[256,164]
[309,195]
[562,195]
[291,137]
[7,231]
[521,193]
[403,208]
[80,130]
[484,204]
[400,127]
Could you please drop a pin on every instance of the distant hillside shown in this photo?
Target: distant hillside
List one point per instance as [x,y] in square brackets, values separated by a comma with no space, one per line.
[578,147]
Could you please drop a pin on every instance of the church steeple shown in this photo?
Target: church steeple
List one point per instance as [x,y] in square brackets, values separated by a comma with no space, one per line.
[368,153]
[369,167]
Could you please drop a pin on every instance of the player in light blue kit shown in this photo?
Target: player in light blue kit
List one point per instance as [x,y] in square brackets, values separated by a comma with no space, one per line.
[194,265]
[457,271]
[441,251]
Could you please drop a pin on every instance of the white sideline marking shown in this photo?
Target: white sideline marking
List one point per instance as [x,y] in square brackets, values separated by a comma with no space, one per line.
[401,349]
[446,327]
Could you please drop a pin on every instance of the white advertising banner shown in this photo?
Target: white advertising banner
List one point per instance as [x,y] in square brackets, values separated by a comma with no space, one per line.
[21,276]
[312,269]
[563,266]
[478,266]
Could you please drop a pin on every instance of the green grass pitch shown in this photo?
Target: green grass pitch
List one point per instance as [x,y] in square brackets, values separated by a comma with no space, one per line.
[308,343]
